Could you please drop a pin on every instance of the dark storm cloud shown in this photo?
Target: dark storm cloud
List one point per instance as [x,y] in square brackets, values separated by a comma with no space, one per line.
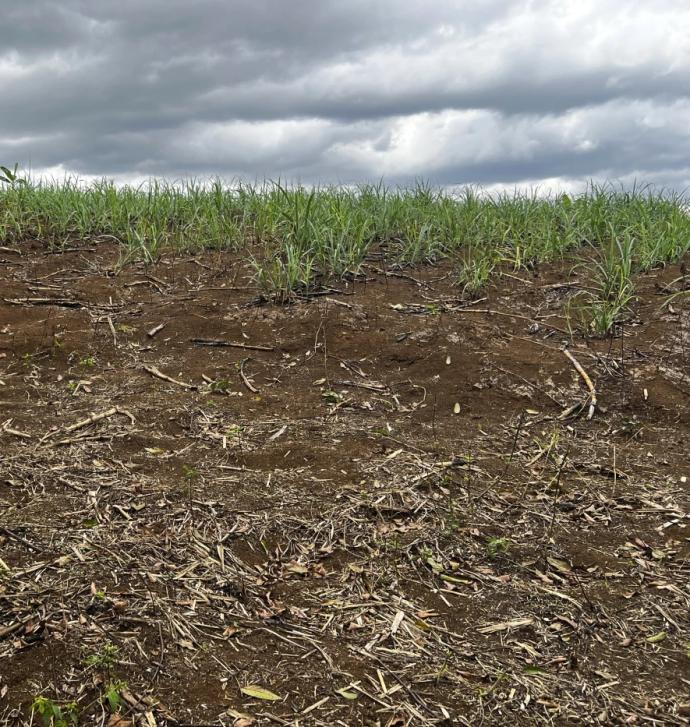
[487,91]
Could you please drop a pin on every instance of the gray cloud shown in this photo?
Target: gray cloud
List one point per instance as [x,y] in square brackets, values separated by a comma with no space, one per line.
[486,91]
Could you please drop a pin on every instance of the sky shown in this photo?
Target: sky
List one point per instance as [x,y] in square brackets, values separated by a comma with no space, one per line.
[497,93]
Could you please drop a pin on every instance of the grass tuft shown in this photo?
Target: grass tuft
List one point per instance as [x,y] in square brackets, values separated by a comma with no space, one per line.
[297,238]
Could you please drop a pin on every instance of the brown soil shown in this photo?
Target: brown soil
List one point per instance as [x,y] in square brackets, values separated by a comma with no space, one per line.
[317,520]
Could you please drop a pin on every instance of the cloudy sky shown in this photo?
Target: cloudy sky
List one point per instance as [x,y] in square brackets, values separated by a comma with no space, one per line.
[490,92]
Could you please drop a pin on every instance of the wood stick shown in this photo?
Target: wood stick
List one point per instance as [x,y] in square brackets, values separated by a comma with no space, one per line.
[112,330]
[160,375]
[155,330]
[245,380]
[7,428]
[219,342]
[7,630]
[97,418]
[19,539]
[61,302]
[587,380]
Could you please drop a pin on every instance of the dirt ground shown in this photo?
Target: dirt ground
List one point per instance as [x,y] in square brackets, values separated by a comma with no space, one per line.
[371,504]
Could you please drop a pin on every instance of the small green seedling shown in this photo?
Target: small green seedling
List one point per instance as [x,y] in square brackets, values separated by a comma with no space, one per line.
[105,659]
[53,714]
[220,386]
[126,329]
[331,397]
[190,473]
[496,546]
[112,696]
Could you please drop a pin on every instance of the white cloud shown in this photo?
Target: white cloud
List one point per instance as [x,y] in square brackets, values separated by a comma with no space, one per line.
[482,90]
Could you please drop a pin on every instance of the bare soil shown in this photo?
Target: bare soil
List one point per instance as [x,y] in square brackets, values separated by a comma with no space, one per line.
[380,513]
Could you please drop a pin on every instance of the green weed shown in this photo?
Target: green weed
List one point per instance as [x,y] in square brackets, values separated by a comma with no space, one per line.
[53,714]
[474,273]
[297,238]
[112,695]
[10,176]
[496,546]
[219,386]
[612,288]
[104,659]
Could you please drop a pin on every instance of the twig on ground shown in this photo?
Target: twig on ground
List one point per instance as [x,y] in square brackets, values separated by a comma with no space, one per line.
[15,432]
[245,380]
[587,380]
[98,417]
[112,330]
[19,539]
[220,343]
[164,377]
[92,420]
[156,329]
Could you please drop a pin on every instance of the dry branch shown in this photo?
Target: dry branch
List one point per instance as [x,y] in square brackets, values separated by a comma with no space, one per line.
[164,377]
[11,534]
[587,380]
[156,329]
[14,432]
[506,625]
[7,630]
[220,343]
[245,380]
[60,302]
[92,420]
[112,330]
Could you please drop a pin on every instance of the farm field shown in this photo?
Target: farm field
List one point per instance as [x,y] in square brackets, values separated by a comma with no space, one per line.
[331,458]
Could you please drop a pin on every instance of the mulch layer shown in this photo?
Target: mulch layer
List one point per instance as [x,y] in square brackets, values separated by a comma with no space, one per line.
[380,504]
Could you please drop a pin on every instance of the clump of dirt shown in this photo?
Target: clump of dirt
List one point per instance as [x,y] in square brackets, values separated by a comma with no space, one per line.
[379,505]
